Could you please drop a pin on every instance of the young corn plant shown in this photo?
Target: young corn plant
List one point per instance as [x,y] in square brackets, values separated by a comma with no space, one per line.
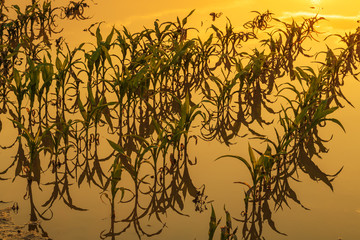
[227,231]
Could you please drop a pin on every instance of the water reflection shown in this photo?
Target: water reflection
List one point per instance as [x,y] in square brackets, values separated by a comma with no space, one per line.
[119,114]
[35,215]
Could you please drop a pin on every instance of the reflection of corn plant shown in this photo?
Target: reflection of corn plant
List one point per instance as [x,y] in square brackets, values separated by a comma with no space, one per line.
[116,171]
[259,169]
[301,120]
[34,144]
[257,194]
[168,177]
[188,113]
[19,90]
[90,118]
[47,73]
[221,99]
[310,111]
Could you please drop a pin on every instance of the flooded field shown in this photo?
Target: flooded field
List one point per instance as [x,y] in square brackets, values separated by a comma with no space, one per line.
[157,134]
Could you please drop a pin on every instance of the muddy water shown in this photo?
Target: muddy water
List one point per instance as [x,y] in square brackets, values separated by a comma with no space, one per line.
[10,231]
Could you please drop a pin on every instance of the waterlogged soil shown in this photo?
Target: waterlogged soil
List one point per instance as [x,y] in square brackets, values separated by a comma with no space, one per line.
[10,231]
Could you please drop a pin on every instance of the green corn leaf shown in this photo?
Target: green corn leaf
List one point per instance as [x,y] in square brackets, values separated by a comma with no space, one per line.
[58,64]
[109,37]
[82,109]
[90,94]
[334,121]
[115,146]
[116,174]
[184,21]
[98,36]
[239,158]
[156,125]
[228,219]
[107,56]
[106,112]
[252,156]
[212,224]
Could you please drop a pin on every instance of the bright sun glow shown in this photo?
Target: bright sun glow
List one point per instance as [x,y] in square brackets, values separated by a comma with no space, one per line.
[315,2]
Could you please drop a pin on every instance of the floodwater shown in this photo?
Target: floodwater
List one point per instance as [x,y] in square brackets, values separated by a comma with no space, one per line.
[170,178]
[332,215]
